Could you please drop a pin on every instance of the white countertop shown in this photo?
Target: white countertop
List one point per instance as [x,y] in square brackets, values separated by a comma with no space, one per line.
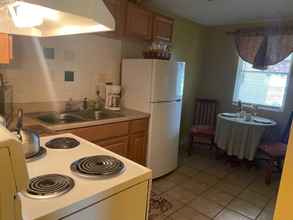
[86,191]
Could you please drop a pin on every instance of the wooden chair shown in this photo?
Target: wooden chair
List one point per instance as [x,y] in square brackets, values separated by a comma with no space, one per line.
[203,129]
[276,152]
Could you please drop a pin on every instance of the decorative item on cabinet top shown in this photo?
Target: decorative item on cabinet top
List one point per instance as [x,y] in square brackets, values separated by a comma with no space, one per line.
[159,50]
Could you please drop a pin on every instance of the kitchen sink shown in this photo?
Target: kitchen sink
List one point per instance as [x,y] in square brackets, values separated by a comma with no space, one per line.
[62,118]
[98,115]
[77,116]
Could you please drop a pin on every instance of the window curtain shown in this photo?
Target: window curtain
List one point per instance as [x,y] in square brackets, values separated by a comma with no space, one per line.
[263,47]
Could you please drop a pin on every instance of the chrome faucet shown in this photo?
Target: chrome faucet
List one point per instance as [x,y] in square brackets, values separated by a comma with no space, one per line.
[69,105]
[85,104]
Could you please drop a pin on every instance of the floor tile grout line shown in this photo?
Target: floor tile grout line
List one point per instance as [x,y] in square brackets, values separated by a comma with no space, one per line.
[264,208]
[226,207]
[237,197]
[205,214]
[209,188]
[213,186]
[240,213]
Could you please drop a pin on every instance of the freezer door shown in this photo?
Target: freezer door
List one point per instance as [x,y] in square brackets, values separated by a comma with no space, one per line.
[136,84]
[164,137]
[167,81]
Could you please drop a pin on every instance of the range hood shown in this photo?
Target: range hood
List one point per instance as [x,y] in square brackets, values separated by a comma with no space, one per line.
[45,18]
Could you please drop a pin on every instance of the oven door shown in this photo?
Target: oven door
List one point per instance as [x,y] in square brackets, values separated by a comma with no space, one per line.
[118,207]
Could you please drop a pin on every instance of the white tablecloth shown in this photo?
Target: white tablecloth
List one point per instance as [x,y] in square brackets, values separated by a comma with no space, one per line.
[239,137]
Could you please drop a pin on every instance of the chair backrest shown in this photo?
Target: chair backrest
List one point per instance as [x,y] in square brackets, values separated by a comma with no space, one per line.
[286,134]
[205,112]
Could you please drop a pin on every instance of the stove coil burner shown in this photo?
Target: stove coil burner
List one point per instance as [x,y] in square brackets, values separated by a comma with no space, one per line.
[62,143]
[42,152]
[97,166]
[49,186]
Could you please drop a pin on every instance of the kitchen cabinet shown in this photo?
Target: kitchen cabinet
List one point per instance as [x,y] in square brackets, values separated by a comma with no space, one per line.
[162,28]
[118,10]
[135,21]
[137,148]
[116,145]
[127,138]
[138,22]
[101,132]
[138,141]
[6,46]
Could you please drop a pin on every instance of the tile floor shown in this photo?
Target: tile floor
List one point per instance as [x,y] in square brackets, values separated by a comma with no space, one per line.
[204,188]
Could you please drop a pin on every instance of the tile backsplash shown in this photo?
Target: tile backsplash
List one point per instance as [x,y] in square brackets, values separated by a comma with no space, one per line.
[37,70]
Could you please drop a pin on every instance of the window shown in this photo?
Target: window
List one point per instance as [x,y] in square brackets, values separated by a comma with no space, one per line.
[266,88]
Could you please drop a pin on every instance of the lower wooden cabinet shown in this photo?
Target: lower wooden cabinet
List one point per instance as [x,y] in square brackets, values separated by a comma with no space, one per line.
[137,148]
[128,138]
[116,145]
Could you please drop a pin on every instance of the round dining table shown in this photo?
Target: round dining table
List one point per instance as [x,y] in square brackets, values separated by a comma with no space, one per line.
[240,137]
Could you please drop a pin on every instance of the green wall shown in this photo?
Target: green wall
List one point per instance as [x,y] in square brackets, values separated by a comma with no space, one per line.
[187,46]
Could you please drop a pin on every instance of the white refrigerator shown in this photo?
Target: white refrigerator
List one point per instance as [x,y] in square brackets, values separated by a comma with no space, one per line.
[156,87]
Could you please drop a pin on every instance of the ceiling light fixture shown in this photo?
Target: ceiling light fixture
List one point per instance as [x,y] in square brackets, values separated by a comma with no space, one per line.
[43,18]
[25,15]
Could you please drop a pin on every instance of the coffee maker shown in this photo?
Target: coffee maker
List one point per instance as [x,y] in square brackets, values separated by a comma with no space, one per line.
[113,97]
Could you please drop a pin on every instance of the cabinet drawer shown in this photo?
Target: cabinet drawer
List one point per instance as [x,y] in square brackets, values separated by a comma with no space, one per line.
[140,125]
[101,132]
[116,145]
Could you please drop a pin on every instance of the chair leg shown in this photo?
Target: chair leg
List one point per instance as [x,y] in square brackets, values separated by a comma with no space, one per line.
[269,171]
[189,150]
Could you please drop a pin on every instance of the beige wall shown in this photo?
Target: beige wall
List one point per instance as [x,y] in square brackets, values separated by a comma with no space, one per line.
[219,74]
[36,79]
[94,59]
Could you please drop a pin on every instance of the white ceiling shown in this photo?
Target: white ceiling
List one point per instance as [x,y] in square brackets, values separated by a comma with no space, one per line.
[225,12]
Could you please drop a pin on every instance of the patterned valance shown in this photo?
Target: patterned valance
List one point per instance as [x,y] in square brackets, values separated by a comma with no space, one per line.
[263,47]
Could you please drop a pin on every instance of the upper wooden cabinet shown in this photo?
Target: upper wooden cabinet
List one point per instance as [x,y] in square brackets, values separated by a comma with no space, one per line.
[118,10]
[135,21]
[162,28]
[138,22]
[6,53]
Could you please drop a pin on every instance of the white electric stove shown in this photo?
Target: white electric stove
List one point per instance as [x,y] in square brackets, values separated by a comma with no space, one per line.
[76,180]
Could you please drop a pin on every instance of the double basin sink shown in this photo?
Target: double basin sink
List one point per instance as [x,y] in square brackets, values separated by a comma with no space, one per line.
[77,116]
